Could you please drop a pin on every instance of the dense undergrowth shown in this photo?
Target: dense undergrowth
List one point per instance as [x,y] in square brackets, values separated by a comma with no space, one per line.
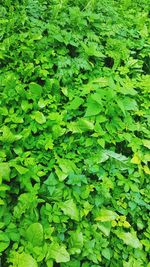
[74,137]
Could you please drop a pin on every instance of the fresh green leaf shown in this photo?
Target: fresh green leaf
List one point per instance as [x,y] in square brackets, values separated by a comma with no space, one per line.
[106,215]
[39,117]
[58,253]
[34,234]
[70,209]
[5,171]
[130,239]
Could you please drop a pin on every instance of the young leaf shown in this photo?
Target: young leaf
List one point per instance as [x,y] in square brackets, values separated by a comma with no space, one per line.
[20,169]
[106,253]
[93,108]
[24,260]
[4,241]
[58,253]
[106,215]
[5,171]
[69,208]
[76,103]
[39,117]
[130,239]
[34,234]
[35,90]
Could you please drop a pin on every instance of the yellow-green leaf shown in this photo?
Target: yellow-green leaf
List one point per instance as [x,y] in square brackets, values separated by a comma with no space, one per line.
[106,215]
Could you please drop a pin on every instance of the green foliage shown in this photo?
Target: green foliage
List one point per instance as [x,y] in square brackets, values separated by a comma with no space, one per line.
[74,136]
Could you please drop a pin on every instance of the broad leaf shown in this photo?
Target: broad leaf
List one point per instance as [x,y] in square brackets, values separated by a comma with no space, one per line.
[93,108]
[25,260]
[106,215]
[39,117]
[34,234]
[69,208]
[35,90]
[5,171]
[58,253]
[130,239]
[4,241]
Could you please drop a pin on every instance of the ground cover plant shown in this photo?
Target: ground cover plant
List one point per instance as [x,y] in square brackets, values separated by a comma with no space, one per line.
[74,136]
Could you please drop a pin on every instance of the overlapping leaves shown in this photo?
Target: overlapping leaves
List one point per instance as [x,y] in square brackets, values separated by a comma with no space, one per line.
[74,137]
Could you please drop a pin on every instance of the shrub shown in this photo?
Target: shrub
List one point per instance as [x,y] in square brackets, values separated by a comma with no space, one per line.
[74,175]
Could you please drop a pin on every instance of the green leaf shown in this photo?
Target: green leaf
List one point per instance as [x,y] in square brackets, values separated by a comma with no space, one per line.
[67,166]
[129,239]
[61,175]
[76,103]
[106,253]
[76,242]
[103,156]
[75,179]
[5,171]
[106,215]
[69,208]
[49,144]
[115,155]
[58,253]
[51,180]
[146,143]
[130,104]
[7,136]
[20,169]
[25,260]
[121,106]
[102,81]
[34,234]
[35,90]
[85,125]
[49,263]
[4,241]
[39,117]
[105,227]
[93,108]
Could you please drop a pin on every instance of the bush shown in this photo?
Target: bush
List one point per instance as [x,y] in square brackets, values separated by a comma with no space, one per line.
[74,175]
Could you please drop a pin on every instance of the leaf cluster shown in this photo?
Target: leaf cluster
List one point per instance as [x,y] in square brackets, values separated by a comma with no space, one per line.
[74,133]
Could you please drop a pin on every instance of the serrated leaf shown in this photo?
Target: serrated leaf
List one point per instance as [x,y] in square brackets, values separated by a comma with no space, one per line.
[67,166]
[51,180]
[103,156]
